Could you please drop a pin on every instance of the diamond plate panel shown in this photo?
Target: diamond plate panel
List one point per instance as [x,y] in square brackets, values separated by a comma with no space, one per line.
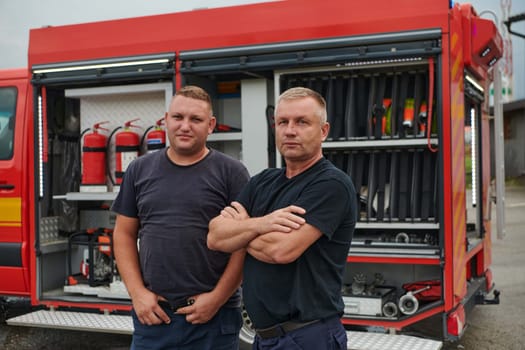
[75,321]
[378,341]
[49,229]
[124,325]
[117,108]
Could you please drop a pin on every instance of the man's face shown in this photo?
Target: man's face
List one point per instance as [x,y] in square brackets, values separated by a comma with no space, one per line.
[298,129]
[188,123]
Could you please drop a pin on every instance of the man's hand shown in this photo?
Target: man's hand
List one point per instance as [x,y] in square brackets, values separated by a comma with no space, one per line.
[282,220]
[235,211]
[147,308]
[204,307]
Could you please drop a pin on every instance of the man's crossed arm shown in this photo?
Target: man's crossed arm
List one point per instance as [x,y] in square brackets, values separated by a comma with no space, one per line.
[279,237]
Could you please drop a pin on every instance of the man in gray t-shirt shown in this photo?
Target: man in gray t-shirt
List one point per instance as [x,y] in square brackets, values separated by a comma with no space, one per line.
[182,292]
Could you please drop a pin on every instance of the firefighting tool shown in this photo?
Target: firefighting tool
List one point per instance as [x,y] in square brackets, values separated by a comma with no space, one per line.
[156,138]
[94,157]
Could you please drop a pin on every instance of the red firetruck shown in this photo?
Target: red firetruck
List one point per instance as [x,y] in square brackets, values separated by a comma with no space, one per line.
[406,87]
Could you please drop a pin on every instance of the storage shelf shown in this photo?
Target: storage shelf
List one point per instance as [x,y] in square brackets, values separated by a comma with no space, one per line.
[88,196]
[393,259]
[119,90]
[384,143]
[397,225]
[225,136]
[402,321]
[397,253]
[53,247]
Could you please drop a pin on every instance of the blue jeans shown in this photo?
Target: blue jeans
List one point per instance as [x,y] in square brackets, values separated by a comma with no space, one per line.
[323,335]
[220,333]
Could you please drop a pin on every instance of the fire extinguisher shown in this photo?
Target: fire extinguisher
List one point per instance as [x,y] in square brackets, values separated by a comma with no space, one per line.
[94,157]
[156,138]
[127,145]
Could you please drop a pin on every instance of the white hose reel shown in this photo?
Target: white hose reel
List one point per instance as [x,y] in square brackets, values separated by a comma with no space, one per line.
[390,309]
[408,303]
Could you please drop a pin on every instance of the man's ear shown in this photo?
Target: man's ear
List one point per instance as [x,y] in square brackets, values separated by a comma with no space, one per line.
[213,123]
[325,129]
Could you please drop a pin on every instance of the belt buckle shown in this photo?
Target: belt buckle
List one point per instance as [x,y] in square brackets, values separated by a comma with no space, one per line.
[183,302]
[177,304]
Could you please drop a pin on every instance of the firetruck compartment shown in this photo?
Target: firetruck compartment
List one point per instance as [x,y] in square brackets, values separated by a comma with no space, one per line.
[370,101]
[395,185]
[380,290]
[379,135]
[388,274]
[76,261]
[392,242]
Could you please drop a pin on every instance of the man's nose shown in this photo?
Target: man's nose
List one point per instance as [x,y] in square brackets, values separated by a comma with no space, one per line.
[185,124]
[290,128]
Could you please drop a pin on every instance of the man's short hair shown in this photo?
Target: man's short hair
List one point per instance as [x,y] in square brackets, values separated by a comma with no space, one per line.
[195,92]
[302,92]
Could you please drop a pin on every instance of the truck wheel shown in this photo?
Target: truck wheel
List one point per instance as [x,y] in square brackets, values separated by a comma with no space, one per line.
[247,333]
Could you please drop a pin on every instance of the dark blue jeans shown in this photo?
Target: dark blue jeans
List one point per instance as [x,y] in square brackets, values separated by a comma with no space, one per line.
[324,335]
[220,333]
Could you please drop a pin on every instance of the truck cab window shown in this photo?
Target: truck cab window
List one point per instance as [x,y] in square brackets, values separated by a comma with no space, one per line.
[7,122]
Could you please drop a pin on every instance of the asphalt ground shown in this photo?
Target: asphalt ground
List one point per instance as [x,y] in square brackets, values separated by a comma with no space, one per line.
[490,327]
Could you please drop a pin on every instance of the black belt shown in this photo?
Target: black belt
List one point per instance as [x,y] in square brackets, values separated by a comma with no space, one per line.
[176,304]
[282,329]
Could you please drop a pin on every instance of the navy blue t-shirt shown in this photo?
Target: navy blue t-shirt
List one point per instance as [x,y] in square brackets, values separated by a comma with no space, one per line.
[174,205]
[310,287]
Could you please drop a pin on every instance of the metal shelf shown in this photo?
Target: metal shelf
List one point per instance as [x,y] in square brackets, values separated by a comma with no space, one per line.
[397,225]
[397,253]
[225,136]
[53,247]
[88,196]
[384,143]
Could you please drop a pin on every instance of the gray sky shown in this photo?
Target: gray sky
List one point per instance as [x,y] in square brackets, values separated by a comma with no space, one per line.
[18,16]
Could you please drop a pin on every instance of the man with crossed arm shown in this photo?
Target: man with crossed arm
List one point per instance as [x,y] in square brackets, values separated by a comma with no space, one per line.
[296,224]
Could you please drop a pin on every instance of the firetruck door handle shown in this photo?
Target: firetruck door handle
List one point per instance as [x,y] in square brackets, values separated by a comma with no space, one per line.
[7,186]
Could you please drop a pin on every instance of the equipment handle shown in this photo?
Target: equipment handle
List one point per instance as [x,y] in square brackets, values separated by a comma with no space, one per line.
[97,126]
[129,123]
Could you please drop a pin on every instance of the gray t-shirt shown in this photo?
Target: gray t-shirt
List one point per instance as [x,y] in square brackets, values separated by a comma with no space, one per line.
[174,205]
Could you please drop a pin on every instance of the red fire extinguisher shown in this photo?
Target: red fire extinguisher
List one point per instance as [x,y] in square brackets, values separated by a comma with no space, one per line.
[156,138]
[94,157]
[127,145]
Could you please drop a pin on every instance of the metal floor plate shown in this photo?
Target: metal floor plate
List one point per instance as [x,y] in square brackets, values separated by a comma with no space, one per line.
[82,321]
[378,341]
[124,325]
